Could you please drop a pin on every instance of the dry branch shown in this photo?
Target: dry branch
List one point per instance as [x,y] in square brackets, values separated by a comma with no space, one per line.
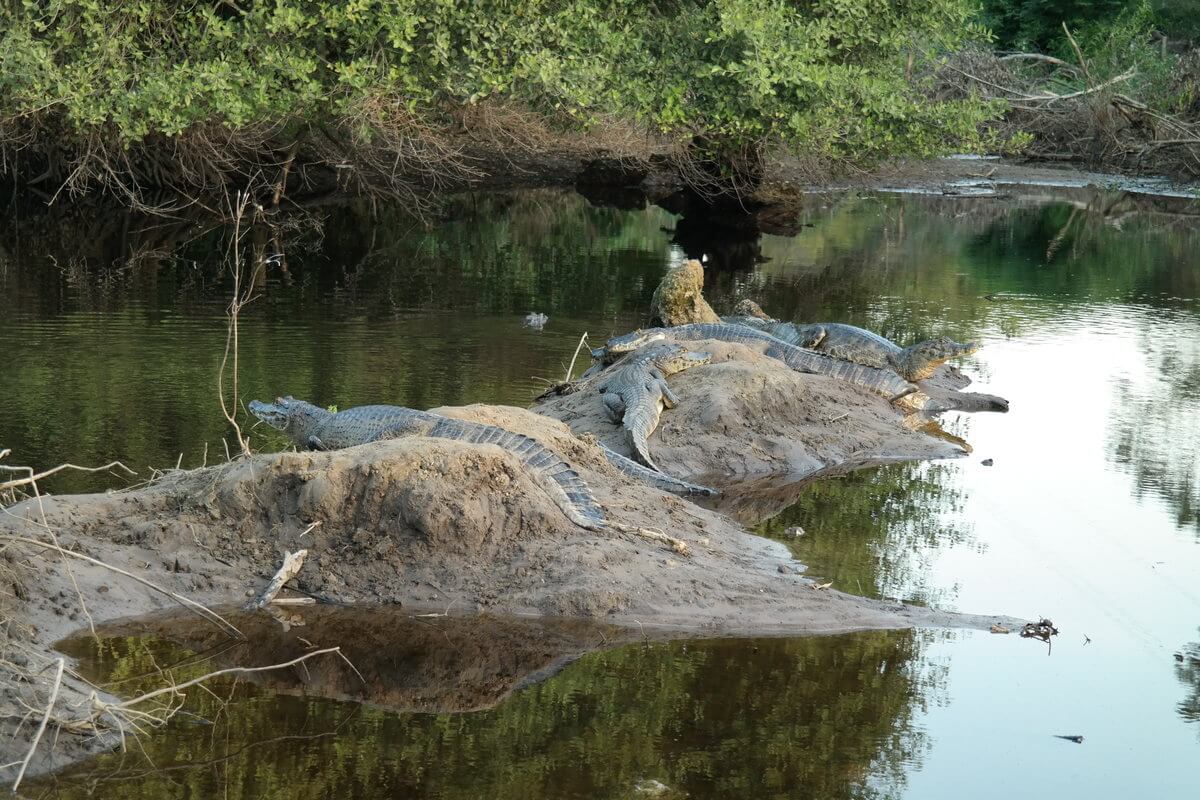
[1057,62]
[34,478]
[238,300]
[578,347]
[37,737]
[177,688]
[292,562]
[678,545]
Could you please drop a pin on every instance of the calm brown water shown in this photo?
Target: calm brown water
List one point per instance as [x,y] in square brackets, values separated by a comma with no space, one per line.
[1089,515]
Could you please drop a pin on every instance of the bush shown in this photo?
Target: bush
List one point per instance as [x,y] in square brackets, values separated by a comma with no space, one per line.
[831,78]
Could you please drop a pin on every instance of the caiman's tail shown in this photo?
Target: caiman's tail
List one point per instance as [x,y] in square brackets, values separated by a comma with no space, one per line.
[880,381]
[639,423]
[561,482]
[659,480]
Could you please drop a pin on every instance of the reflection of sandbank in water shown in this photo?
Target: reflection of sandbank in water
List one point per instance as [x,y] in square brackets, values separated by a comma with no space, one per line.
[400,661]
[596,730]
[755,501]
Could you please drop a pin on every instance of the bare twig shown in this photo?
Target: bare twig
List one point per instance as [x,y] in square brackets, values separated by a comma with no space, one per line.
[37,737]
[176,688]
[678,545]
[1058,62]
[578,347]
[287,167]
[1054,98]
[34,478]
[238,300]
[1078,53]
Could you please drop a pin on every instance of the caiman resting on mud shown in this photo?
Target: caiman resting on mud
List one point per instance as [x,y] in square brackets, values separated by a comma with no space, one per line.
[848,343]
[884,382]
[636,392]
[316,428]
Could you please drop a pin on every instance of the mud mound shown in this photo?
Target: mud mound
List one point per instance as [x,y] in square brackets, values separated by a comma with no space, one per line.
[428,522]
[431,524]
[746,414]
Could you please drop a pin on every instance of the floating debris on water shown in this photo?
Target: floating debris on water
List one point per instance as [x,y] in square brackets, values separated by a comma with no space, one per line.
[1043,629]
[651,787]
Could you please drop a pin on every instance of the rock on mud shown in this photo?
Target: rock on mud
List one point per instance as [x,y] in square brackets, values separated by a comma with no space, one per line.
[679,298]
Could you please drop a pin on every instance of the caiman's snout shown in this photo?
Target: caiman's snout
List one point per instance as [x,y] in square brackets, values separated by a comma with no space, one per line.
[271,413]
[632,341]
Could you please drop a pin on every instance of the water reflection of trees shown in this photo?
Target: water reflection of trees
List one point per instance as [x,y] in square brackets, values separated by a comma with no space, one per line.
[126,346]
[1155,431]
[1188,672]
[820,717]
[869,530]
[914,266]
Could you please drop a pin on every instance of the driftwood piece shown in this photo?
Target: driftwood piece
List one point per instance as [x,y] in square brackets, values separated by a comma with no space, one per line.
[292,562]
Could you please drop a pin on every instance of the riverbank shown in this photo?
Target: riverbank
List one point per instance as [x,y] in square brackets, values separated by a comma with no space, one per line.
[429,525]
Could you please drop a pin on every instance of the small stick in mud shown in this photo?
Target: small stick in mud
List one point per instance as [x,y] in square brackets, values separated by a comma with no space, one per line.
[678,545]
[292,562]
[578,347]
[294,601]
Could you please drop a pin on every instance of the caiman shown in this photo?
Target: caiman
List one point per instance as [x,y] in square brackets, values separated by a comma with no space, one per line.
[883,382]
[316,428]
[848,343]
[636,391]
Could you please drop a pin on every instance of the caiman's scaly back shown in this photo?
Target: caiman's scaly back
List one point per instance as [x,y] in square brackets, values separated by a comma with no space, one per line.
[861,346]
[315,428]
[636,392]
[886,383]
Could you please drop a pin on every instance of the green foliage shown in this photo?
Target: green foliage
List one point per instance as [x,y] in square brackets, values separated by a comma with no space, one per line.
[1037,24]
[1178,19]
[830,77]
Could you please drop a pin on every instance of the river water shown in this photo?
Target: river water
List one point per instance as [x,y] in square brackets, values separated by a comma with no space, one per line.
[1088,307]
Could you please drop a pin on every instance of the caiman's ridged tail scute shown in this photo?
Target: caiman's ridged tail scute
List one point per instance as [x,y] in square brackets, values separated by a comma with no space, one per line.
[557,477]
[639,424]
[657,479]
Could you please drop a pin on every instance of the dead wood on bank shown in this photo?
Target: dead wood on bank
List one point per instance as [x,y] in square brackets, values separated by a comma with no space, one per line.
[377,149]
[1069,113]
